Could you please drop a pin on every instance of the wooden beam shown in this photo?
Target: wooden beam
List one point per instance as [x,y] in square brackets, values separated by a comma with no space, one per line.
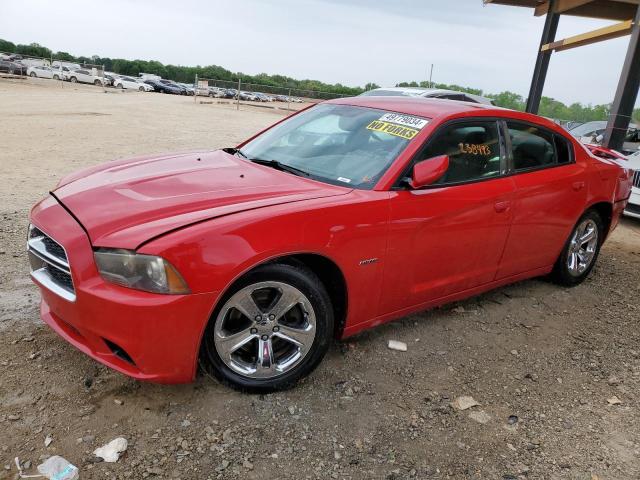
[606,33]
[562,6]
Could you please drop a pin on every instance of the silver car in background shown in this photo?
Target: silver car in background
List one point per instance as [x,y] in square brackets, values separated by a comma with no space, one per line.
[427,93]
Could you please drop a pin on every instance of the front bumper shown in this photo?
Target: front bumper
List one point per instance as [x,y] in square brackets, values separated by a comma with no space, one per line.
[633,206]
[144,335]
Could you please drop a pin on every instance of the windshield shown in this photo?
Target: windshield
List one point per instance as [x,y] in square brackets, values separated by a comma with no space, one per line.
[338,144]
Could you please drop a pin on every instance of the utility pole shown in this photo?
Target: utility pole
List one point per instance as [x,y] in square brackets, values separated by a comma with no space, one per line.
[431,77]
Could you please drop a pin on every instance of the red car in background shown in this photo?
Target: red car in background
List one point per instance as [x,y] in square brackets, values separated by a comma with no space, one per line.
[344,216]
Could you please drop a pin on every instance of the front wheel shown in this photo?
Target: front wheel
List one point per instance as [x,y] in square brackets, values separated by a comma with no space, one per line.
[73,79]
[581,250]
[141,89]
[273,328]
[32,74]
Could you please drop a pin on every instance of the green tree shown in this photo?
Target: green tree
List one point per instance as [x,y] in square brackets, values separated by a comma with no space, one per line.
[6,46]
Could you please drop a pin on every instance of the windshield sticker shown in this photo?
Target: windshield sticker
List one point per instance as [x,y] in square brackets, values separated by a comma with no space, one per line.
[392,129]
[345,180]
[406,120]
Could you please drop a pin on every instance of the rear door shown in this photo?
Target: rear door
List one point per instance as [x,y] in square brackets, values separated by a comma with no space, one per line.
[551,192]
[450,236]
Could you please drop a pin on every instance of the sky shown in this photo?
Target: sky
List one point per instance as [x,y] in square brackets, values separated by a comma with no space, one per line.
[351,42]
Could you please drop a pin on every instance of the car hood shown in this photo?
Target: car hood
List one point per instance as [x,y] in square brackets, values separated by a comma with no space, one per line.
[124,204]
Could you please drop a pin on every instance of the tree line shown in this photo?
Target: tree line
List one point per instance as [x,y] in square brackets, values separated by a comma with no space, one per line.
[549,107]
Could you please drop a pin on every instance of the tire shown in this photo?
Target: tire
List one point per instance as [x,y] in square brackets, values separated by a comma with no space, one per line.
[56,77]
[581,255]
[141,89]
[263,291]
[33,75]
[97,83]
[73,79]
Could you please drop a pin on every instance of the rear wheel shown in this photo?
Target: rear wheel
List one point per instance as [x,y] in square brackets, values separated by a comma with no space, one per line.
[32,74]
[580,251]
[97,83]
[73,79]
[273,328]
[56,77]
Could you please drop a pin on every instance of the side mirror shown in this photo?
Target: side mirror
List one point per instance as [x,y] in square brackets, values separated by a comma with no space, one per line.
[428,171]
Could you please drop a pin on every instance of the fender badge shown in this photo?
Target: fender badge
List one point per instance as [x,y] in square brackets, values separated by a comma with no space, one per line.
[368,261]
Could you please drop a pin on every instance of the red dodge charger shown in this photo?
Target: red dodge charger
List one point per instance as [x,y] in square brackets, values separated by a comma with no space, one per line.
[351,213]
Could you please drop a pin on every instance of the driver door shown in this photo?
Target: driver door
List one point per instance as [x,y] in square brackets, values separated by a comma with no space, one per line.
[449,237]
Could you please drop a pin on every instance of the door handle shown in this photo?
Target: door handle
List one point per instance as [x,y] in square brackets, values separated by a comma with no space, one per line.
[501,207]
[577,186]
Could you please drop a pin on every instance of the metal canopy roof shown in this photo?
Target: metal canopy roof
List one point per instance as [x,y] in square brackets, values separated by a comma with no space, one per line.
[603,9]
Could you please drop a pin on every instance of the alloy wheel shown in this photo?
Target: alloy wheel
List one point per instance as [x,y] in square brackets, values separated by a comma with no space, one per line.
[583,247]
[265,329]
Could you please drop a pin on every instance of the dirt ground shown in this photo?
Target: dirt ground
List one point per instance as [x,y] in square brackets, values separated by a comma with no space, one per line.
[544,362]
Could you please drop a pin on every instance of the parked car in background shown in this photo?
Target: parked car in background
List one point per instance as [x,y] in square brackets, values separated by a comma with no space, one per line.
[250,259]
[40,71]
[171,83]
[124,82]
[217,92]
[230,93]
[164,88]
[247,96]
[633,207]
[282,98]
[261,97]
[68,65]
[593,132]
[84,76]
[188,87]
[426,93]
[13,68]
[59,72]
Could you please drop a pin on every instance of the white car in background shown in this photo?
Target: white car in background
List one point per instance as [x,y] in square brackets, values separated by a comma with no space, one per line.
[129,83]
[633,207]
[40,71]
[83,76]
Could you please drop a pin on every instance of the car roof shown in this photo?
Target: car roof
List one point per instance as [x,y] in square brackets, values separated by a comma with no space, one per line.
[437,108]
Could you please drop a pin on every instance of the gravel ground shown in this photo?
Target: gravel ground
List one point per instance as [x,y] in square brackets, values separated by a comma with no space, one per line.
[555,371]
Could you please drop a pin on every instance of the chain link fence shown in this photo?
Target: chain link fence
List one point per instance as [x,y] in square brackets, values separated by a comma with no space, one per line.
[14,65]
[226,91]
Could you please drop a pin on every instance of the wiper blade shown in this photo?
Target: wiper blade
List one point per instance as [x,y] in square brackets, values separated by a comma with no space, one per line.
[280,166]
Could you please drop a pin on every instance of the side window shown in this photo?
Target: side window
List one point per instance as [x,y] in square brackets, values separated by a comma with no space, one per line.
[473,149]
[532,147]
[564,150]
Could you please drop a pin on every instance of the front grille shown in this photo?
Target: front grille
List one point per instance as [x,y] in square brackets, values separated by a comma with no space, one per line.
[55,248]
[49,263]
[636,179]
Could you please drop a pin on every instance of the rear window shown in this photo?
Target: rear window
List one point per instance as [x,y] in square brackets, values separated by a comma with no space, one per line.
[536,147]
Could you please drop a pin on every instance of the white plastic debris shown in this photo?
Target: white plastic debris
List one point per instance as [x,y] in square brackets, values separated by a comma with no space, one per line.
[21,474]
[614,401]
[48,440]
[112,450]
[464,402]
[57,468]
[396,345]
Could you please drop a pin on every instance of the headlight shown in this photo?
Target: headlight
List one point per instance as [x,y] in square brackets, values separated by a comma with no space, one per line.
[142,272]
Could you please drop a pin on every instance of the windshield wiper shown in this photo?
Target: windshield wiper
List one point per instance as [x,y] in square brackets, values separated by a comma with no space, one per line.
[280,166]
[234,151]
